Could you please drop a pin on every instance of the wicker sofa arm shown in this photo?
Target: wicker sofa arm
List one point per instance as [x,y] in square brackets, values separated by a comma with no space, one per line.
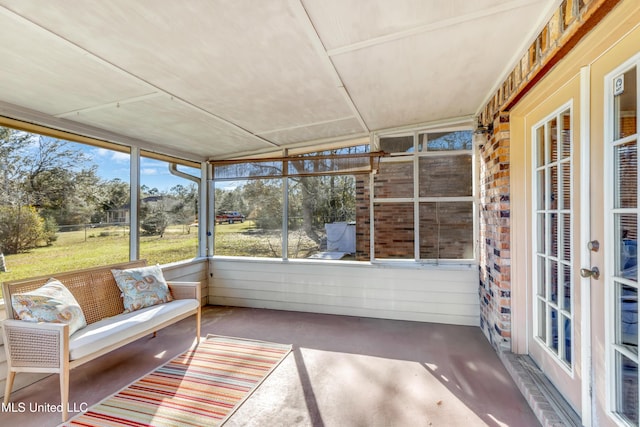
[185,290]
[42,347]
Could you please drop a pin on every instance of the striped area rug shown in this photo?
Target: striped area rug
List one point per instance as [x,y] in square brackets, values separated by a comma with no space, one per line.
[201,387]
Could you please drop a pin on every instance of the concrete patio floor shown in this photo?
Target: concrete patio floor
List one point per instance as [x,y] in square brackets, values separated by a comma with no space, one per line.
[343,371]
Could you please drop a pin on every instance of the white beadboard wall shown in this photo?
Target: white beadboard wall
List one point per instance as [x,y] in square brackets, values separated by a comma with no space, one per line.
[190,271]
[439,294]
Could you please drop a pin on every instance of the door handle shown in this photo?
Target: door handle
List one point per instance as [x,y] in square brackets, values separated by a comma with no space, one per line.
[594,273]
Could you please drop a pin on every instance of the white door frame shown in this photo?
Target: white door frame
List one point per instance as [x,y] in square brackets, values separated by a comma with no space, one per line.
[585,236]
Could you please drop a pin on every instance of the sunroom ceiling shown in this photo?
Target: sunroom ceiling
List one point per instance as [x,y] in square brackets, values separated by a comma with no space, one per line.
[217,79]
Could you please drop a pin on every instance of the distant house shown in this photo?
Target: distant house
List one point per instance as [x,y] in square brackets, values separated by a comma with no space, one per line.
[121,215]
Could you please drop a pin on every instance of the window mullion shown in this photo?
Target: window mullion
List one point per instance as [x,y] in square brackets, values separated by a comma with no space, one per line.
[416,197]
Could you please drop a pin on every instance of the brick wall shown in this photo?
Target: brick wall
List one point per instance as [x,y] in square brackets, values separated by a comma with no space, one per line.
[494,251]
[363,224]
[446,228]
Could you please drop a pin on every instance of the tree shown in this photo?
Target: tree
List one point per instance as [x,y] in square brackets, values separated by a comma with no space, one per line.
[264,201]
[185,209]
[45,182]
[155,222]
[113,194]
[11,164]
[21,228]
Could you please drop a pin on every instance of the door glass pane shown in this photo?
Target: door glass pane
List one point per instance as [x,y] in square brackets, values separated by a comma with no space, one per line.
[554,329]
[565,186]
[542,189]
[553,139]
[542,320]
[566,288]
[542,233]
[554,234]
[542,276]
[627,379]
[565,225]
[627,315]
[565,134]
[541,148]
[625,105]
[626,173]
[626,246]
[553,282]
[566,322]
[554,187]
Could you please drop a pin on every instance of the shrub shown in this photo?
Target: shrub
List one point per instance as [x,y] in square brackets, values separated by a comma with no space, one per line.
[21,228]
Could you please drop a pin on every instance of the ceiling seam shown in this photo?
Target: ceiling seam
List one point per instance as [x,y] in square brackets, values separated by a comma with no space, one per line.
[315,39]
[14,15]
[110,104]
[323,122]
[429,27]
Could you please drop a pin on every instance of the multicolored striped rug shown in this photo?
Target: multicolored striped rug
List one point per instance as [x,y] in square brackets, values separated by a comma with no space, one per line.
[202,387]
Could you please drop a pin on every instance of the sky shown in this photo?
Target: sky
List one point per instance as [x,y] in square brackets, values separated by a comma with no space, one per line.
[153,173]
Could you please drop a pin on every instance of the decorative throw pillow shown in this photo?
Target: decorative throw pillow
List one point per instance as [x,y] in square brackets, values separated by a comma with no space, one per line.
[51,303]
[142,287]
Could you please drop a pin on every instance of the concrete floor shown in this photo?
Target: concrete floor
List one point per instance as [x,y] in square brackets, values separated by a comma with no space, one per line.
[343,371]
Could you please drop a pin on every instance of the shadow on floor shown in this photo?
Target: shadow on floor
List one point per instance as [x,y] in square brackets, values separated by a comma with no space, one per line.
[343,371]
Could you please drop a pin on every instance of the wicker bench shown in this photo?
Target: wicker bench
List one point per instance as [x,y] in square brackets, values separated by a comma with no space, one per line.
[47,347]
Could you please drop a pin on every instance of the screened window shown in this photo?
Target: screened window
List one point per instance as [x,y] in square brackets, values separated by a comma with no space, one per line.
[168,211]
[249,218]
[317,192]
[64,205]
[423,197]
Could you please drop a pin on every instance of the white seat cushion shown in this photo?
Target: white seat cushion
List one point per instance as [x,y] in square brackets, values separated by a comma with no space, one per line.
[112,330]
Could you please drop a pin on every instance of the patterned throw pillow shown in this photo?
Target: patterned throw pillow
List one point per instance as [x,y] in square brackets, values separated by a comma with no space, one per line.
[51,303]
[142,287]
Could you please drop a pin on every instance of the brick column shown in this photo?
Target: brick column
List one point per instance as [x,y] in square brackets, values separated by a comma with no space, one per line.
[363,222]
[495,225]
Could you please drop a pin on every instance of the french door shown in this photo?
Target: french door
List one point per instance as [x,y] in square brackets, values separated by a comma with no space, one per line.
[554,339]
[619,226]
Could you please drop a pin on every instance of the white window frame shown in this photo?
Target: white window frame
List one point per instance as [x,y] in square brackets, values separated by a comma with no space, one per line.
[557,358]
[415,157]
[610,289]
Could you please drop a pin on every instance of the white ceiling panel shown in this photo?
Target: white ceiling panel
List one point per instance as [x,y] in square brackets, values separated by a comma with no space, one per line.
[254,65]
[218,78]
[43,72]
[170,123]
[422,78]
[342,23]
[349,127]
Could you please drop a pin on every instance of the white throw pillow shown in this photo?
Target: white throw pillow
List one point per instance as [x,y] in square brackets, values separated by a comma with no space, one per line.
[51,303]
[142,287]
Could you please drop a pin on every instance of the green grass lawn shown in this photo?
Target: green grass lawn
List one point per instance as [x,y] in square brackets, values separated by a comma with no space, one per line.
[100,246]
[75,250]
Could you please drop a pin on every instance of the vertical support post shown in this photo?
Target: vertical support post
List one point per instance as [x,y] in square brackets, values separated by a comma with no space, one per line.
[285,206]
[203,210]
[134,202]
